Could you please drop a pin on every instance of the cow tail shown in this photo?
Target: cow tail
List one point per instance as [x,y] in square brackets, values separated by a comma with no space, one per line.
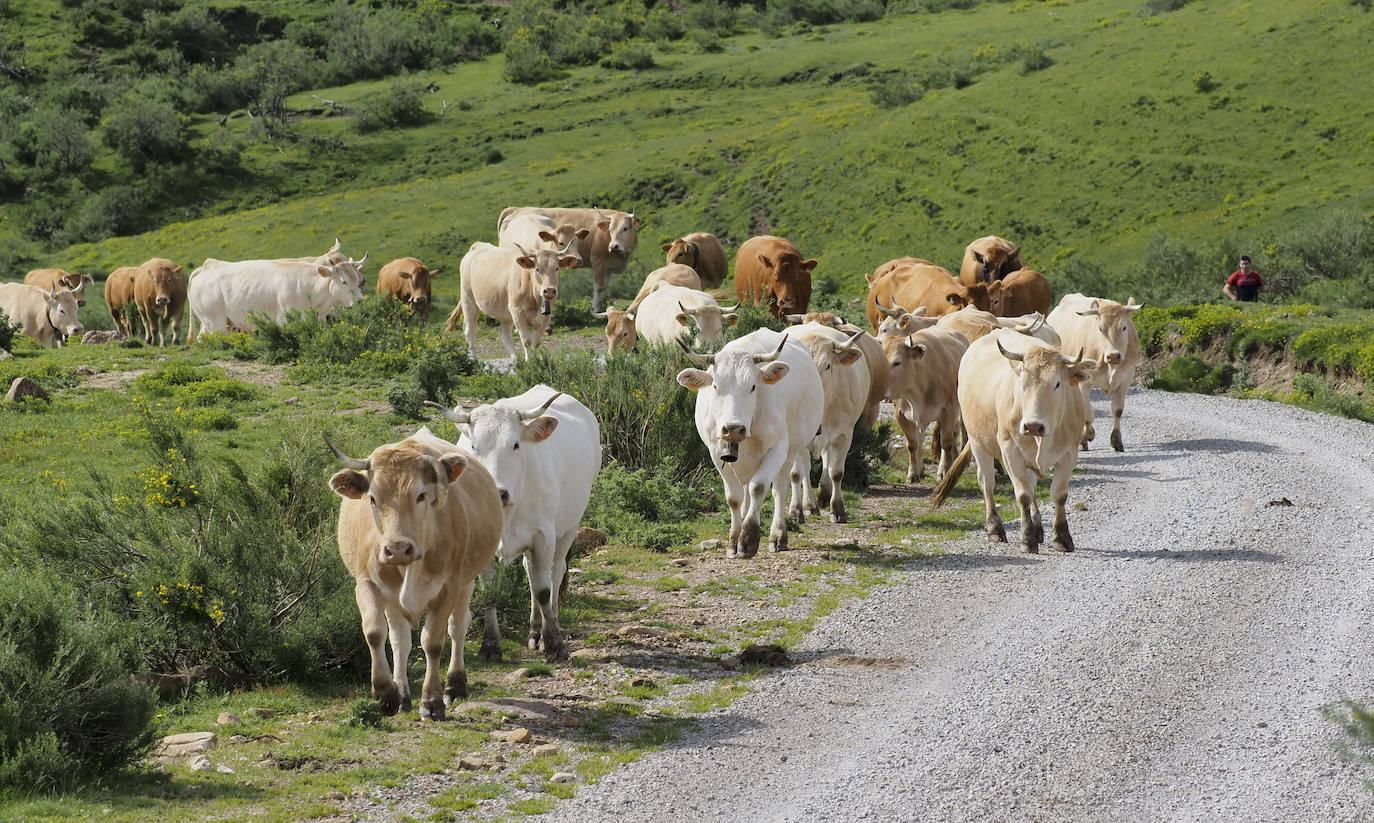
[453,317]
[946,484]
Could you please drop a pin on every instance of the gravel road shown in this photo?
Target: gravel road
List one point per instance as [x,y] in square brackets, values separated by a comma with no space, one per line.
[1172,669]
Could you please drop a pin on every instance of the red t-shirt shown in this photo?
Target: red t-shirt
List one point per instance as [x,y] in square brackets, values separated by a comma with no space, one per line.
[1246,284]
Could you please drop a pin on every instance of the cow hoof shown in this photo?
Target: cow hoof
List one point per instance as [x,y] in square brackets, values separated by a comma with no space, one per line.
[390,700]
[997,534]
[432,710]
[405,705]
[1061,546]
[533,642]
[1116,442]
[456,687]
[1029,548]
[489,654]
[555,652]
[1083,446]
[838,518]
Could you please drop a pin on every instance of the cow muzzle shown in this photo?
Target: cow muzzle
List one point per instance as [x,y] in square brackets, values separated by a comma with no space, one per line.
[400,552]
[162,301]
[1114,357]
[1034,428]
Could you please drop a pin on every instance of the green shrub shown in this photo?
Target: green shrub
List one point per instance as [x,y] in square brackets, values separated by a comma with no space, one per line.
[1190,373]
[895,89]
[527,58]
[208,565]
[629,55]
[70,709]
[1035,59]
[648,508]
[1320,393]
[192,386]
[7,331]
[146,129]
[398,106]
[664,25]
[1203,82]
[432,376]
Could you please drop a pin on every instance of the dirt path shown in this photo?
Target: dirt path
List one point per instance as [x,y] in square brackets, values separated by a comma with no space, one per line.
[1173,668]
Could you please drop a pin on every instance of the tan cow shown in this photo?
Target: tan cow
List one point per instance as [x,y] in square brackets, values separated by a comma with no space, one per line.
[879,375]
[160,296]
[924,389]
[512,285]
[844,387]
[119,290]
[673,274]
[1104,332]
[1021,292]
[989,258]
[606,249]
[701,251]
[770,271]
[621,334]
[47,279]
[420,519]
[916,284]
[407,280]
[47,315]
[1022,405]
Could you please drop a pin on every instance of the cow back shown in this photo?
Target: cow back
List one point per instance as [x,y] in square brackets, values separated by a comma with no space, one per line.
[704,253]
[673,274]
[1021,292]
[912,286]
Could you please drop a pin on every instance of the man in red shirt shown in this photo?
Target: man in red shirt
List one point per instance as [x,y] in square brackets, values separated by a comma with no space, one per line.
[1243,284]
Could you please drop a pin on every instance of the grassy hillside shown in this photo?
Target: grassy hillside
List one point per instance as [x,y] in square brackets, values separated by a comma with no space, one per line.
[1224,124]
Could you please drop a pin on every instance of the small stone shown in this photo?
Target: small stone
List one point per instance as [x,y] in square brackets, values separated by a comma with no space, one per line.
[563,777]
[228,719]
[290,401]
[472,764]
[587,539]
[652,713]
[545,750]
[520,735]
[711,545]
[521,674]
[238,739]
[200,763]
[23,388]
[766,654]
[315,718]
[5,355]
[85,371]
[681,562]
[100,336]
[336,796]
[176,745]
[642,682]
[638,630]
[571,721]
[223,769]
[259,712]
[825,555]
[585,654]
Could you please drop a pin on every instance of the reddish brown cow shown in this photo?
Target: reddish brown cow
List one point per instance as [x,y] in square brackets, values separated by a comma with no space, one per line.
[407,280]
[770,270]
[48,279]
[916,284]
[160,295]
[703,253]
[989,258]
[1021,292]
[119,290]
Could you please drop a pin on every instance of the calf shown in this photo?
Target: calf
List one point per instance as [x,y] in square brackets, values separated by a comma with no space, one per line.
[420,519]
[543,449]
[407,280]
[1021,292]
[160,296]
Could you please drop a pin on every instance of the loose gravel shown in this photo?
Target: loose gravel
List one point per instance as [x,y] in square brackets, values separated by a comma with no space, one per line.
[1172,669]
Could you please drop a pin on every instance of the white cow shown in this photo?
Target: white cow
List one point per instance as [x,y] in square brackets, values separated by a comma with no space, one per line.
[606,248]
[665,314]
[222,293]
[1103,331]
[514,286]
[46,315]
[543,448]
[845,386]
[759,403]
[535,231]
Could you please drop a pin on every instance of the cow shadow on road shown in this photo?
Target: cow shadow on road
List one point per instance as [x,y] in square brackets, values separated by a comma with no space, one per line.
[1141,452]
[1188,555]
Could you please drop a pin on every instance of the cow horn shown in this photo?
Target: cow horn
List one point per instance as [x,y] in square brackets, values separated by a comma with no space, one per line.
[895,311]
[523,253]
[1010,355]
[602,315]
[769,358]
[1089,313]
[733,308]
[354,463]
[850,343]
[453,415]
[685,310]
[696,357]
[1037,320]
[527,416]
[1072,363]
[599,213]
[568,248]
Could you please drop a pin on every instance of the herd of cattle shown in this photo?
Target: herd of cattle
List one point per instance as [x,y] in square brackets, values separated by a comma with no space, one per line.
[982,353]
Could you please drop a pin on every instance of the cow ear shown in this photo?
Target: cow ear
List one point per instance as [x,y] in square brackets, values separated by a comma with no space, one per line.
[681,319]
[956,299]
[524,261]
[1082,373]
[604,225]
[693,379]
[349,483]
[730,319]
[766,261]
[667,246]
[773,372]
[582,234]
[454,463]
[639,221]
[548,236]
[848,357]
[324,271]
[808,265]
[539,429]
[405,275]
[569,262]
[916,350]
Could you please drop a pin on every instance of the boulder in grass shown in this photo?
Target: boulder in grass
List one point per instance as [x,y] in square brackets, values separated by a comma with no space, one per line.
[101,336]
[23,388]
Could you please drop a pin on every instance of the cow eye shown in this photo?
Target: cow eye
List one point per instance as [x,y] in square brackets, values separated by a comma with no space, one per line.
[373,500]
[1056,385]
[517,447]
[420,498]
[755,386]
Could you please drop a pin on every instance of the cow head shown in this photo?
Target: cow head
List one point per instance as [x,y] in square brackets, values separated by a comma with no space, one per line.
[345,276]
[681,251]
[566,236]
[842,354]
[710,318]
[993,257]
[167,279]
[1116,327]
[623,230]
[1044,378]
[401,484]
[415,280]
[621,334]
[62,312]
[544,266]
[789,279]
[502,436]
[735,373]
[902,323]
[77,284]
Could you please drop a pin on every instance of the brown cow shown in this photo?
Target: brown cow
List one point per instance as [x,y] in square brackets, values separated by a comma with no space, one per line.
[621,334]
[419,521]
[770,270]
[989,258]
[119,290]
[407,280]
[1021,292]
[916,284]
[160,295]
[703,253]
[47,279]
[673,274]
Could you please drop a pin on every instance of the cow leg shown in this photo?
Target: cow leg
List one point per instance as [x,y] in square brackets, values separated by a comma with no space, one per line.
[432,637]
[400,653]
[522,330]
[773,468]
[539,562]
[1023,482]
[777,533]
[947,428]
[456,684]
[914,434]
[987,479]
[1059,493]
[1118,406]
[467,305]
[491,626]
[601,278]
[1089,431]
[146,317]
[374,623]
[833,475]
[734,498]
[803,497]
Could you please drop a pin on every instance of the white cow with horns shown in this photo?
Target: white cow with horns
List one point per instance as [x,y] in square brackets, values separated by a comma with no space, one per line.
[543,448]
